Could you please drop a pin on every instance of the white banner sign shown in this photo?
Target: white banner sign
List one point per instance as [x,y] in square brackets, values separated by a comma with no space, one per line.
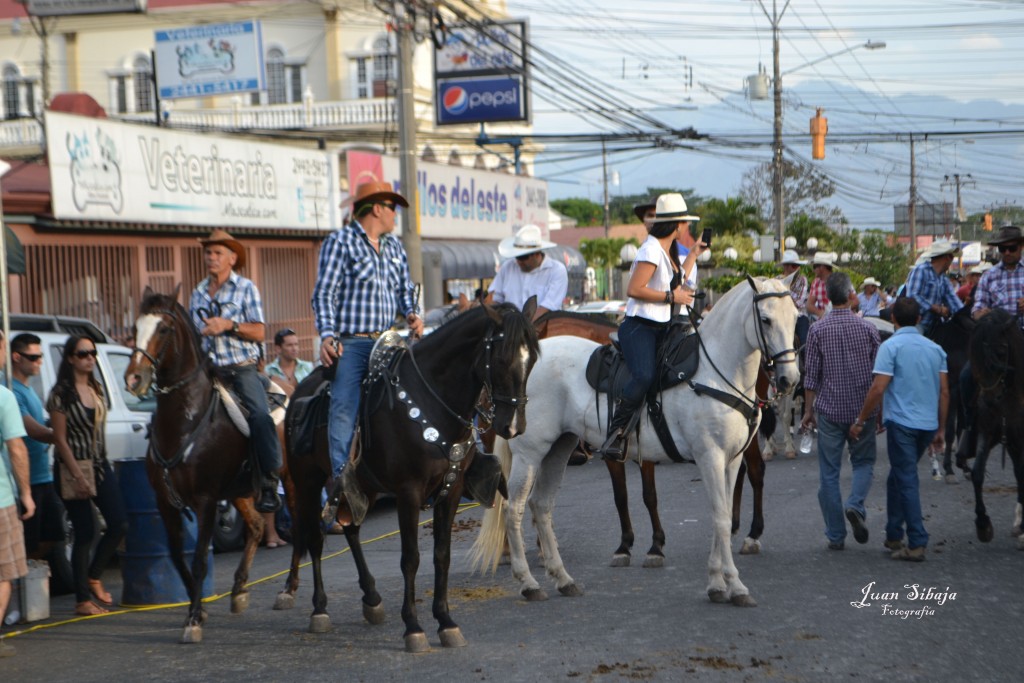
[125,172]
[495,48]
[212,59]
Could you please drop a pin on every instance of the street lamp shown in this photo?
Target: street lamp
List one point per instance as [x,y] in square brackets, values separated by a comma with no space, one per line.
[812,243]
[790,242]
[730,254]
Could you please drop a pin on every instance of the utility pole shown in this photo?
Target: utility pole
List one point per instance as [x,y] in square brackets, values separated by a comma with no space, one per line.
[912,209]
[777,166]
[607,217]
[959,207]
[407,138]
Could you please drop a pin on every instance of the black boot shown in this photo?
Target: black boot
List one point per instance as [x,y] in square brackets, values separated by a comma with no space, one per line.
[269,500]
[484,480]
[624,422]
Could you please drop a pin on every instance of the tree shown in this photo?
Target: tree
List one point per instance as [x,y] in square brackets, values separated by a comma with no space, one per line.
[804,190]
[802,227]
[583,211]
[732,216]
[882,259]
[603,252]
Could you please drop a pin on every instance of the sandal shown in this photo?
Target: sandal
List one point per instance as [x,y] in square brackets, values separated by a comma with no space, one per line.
[89,609]
[98,592]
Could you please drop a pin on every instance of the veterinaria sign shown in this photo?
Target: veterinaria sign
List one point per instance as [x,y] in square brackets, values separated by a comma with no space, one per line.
[212,59]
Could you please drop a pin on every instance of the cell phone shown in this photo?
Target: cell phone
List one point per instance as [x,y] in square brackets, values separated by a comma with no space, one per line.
[705,236]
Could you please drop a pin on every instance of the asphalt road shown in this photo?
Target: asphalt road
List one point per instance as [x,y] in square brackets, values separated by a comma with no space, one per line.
[631,624]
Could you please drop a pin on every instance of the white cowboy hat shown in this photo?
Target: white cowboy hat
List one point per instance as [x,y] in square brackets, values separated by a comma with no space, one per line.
[941,248]
[671,207]
[526,241]
[980,268]
[790,256]
[871,281]
[823,258]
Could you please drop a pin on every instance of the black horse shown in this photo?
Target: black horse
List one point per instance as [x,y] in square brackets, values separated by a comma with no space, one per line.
[954,336]
[417,437]
[997,362]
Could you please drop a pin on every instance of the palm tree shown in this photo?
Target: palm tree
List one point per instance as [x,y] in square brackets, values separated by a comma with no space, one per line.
[731,217]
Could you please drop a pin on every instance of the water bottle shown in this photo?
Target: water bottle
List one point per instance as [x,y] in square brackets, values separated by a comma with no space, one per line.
[12,617]
[936,474]
[806,440]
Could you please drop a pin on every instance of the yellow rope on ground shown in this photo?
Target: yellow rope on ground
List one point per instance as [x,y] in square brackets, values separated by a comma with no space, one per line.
[131,609]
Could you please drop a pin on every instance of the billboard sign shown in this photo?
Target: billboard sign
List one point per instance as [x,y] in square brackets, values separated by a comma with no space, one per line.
[498,47]
[213,59]
[70,8]
[480,99]
[113,171]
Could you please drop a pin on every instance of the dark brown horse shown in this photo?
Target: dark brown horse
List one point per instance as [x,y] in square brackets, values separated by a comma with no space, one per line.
[197,454]
[408,449]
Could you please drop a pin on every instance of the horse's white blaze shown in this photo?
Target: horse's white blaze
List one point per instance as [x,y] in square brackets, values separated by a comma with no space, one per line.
[522,368]
[145,328]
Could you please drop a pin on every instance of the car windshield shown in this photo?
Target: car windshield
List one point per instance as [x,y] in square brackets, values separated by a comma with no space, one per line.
[119,363]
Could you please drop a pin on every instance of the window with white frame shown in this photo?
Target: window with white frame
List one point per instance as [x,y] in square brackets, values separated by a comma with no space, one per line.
[142,77]
[285,79]
[130,87]
[374,70]
[19,93]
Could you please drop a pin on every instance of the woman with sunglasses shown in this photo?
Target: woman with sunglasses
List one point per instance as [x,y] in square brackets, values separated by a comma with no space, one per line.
[78,415]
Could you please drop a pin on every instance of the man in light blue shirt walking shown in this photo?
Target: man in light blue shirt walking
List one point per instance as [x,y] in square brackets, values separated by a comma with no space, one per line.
[910,372]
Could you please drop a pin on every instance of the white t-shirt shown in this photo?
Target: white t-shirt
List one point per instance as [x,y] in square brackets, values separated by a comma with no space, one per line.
[549,282]
[651,252]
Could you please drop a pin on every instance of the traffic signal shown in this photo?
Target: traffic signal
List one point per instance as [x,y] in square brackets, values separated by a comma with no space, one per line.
[988,222]
[819,127]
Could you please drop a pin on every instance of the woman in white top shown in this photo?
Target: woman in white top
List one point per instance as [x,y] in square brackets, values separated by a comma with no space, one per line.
[655,289]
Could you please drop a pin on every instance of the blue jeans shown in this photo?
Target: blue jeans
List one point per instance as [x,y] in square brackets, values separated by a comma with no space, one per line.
[832,437]
[108,500]
[346,395]
[639,342]
[263,443]
[902,497]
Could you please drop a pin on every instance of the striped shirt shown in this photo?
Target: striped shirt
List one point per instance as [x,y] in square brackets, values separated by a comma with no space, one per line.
[798,290]
[927,287]
[86,427]
[840,356]
[357,289]
[1000,288]
[239,301]
[818,296]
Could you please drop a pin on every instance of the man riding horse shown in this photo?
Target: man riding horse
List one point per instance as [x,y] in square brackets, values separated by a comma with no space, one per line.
[227,310]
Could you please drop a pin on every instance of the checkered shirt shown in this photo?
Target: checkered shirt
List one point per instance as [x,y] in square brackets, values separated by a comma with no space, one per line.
[798,290]
[358,290]
[239,301]
[840,355]
[818,294]
[1000,288]
[928,288]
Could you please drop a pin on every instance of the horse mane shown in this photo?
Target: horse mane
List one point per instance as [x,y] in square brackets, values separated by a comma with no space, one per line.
[996,327]
[516,327]
[573,315]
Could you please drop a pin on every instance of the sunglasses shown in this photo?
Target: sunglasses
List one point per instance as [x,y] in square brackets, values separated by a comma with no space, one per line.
[523,257]
[1004,248]
[389,205]
[85,354]
[31,357]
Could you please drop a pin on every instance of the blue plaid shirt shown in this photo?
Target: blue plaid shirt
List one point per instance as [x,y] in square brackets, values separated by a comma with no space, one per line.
[927,288]
[239,301]
[1000,288]
[358,290]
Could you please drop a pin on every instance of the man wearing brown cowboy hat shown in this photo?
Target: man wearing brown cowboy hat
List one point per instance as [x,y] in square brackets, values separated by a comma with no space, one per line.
[227,310]
[362,284]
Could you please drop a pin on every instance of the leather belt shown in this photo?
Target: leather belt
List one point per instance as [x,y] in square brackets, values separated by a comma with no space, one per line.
[368,335]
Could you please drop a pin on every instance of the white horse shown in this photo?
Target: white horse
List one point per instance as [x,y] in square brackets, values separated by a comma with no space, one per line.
[753,320]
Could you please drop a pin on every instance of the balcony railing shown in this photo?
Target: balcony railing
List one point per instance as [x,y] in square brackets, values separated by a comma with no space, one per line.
[24,133]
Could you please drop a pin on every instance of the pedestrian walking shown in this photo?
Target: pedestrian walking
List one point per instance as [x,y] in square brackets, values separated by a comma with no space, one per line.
[910,373]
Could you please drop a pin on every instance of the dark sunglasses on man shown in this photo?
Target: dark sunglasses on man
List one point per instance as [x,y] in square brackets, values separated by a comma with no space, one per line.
[30,357]
[1005,248]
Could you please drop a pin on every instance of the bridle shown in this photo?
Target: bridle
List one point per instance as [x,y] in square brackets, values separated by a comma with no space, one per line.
[158,360]
[768,360]
[492,398]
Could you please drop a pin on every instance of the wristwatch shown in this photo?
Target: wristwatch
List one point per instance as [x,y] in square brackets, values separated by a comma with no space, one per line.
[234,328]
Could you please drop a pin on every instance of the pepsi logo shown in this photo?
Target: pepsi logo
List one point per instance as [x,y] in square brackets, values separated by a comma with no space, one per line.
[455,100]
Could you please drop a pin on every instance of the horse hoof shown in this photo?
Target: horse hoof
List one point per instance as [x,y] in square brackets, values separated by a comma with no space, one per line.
[192,635]
[284,600]
[319,623]
[571,590]
[416,643]
[718,596]
[239,603]
[374,614]
[654,562]
[985,533]
[952,480]
[751,546]
[535,594]
[620,560]
[744,601]
[451,637]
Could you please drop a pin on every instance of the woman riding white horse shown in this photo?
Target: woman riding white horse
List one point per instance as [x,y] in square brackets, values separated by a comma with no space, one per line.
[754,320]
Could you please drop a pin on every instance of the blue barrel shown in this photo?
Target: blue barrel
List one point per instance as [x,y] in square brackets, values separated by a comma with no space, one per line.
[149,575]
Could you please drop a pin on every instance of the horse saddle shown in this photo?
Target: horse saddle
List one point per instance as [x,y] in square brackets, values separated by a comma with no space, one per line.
[607,373]
[305,417]
[276,399]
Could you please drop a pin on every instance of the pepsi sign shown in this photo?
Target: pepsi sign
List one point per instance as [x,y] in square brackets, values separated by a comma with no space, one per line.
[482,99]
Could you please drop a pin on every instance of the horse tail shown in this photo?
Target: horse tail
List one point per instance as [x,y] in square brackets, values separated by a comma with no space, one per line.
[487,550]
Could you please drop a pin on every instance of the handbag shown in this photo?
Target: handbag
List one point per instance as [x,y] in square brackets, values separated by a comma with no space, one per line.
[68,488]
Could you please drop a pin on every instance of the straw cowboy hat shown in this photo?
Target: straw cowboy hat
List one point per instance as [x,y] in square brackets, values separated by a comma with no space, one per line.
[823,258]
[1006,235]
[219,236]
[671,207]
[870,281]
[790,257]
[527,240]
[941,248]
[376,190]
[640,209]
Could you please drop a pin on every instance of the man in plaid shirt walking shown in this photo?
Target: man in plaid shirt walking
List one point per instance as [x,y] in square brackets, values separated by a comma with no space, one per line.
[840,356]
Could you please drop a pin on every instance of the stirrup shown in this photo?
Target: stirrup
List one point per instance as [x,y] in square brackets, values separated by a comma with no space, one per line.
[330,512]
[614,447]
[357,502]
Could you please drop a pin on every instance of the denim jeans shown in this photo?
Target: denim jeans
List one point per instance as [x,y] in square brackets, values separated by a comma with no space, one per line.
[263,443]
[108,500]
[639,342]
[346,394]
[832,437]
[902,497]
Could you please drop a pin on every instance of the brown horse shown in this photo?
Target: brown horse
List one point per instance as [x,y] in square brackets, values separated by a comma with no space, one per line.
[417,443]
[197,455]
[599,330]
